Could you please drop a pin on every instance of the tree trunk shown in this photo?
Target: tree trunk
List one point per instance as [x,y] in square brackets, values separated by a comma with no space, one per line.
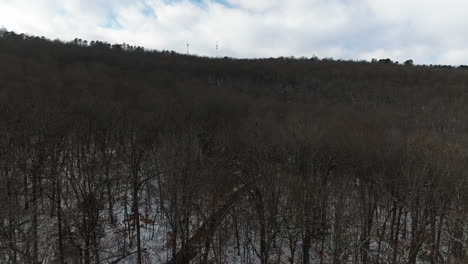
[306,244]
[396,235]
[11,228]
[59,222]
[34,219]
[110,203]
[136,215]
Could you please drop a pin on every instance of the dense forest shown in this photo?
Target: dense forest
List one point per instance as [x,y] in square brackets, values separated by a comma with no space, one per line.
[117,154]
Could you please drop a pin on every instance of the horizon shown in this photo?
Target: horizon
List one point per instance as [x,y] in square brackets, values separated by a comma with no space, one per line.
[427,32]
[410,62]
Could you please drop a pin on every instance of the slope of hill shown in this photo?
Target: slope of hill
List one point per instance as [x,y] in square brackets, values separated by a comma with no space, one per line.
[114,154]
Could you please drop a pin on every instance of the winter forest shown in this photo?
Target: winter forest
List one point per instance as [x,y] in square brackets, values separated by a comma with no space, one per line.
[118,154]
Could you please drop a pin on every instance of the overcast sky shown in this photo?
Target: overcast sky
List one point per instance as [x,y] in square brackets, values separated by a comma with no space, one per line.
[427,31]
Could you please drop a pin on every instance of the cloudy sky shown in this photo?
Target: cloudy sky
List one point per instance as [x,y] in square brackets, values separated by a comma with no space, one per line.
[427,31]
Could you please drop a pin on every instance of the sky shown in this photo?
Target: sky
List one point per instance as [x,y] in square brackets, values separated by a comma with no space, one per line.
[426,31]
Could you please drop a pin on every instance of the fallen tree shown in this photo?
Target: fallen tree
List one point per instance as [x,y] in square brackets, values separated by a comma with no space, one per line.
[208,229]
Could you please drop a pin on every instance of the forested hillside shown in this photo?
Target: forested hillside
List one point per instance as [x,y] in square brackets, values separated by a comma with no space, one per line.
[115,154]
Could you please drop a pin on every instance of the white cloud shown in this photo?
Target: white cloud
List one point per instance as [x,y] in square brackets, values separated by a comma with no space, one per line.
[256,6]
[427,31]
[456,57]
